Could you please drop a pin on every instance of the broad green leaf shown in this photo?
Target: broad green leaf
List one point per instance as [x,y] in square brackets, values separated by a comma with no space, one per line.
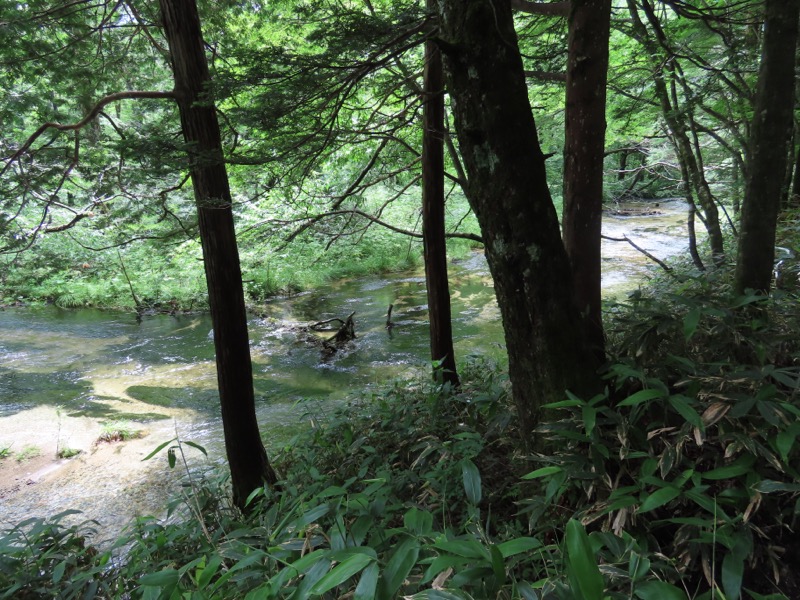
[518,546]
[658,590]
[543,472]
[589,415]
[58,571]
[690,322]
[732,575]
[341,573]
[196,446]
[365,590]
[312,515]
[638,566]
[738,467]
[207,573]
[659,498]
[784,442]
[583,572]
[680,404]
[159,448]
[418,521]
[397,569]
[163,578]
[641,397]
[468,548]
[472,481]
[769,486]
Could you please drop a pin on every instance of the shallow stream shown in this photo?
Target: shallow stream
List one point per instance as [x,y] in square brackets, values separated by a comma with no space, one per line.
[65,372]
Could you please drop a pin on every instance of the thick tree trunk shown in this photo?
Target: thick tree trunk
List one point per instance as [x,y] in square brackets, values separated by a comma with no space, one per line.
[547,351]
[587,67]
[441,333]
[247,458]
[769,135]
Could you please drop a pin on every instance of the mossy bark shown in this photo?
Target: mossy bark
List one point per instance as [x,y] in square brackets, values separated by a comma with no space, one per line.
[508,191]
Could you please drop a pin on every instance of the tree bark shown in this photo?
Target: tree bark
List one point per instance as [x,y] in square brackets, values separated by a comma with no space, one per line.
[769,135]
[547,350]
[250,468]
[441,331]
[584,148]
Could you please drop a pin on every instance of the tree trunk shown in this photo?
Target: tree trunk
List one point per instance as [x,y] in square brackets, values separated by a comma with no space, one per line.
[547,350]
[247,458]
[769,134]
[676,120]
[441,334]
[587,67]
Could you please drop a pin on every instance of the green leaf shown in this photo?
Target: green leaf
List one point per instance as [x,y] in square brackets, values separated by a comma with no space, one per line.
[543,472]
[58,571]
[680,404]
[784,442]
[171,457]
[732,575]
[589,418]
[658,498]
[365,590]
[467,548]
[641,397]
[418,521]
[638,566]
[196,447]
[658,590]
[164,578]
[518,546]
[341,573]
[397,569]
[159,448]
[472,481]
[690,322]
[738,467]
[205,576]
[769,486]
[583,572]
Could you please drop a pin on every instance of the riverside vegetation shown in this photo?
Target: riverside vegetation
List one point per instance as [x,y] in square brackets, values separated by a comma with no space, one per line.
[680,480]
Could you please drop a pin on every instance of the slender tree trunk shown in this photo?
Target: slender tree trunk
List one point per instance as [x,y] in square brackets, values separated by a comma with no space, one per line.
[587,67]
[247,458]
[441,333]
[547,349]
[769,134]
[794,194]
[677,120]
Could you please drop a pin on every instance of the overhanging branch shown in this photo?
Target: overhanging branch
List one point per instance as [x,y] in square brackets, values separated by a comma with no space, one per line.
[129,95]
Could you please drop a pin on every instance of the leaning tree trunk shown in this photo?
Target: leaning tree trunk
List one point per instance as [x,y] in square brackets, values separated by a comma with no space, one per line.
[769,135]
[547,350]
[441,330]
[247,458]
[584,149]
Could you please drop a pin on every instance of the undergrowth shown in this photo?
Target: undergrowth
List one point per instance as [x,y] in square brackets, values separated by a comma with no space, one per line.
[680,481]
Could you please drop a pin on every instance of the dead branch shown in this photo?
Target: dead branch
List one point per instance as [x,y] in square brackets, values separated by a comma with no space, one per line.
[625,238]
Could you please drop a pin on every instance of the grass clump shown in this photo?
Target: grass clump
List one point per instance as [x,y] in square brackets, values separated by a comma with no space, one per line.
[28,452]
[5,451]
[119,431]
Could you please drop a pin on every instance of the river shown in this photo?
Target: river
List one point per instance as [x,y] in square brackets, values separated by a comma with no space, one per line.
[64,373]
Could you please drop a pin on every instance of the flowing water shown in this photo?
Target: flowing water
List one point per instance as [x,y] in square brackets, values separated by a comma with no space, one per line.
[65,372]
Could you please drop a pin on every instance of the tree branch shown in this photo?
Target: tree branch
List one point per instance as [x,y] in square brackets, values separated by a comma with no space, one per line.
[83,122]
[625,238]
[552,9]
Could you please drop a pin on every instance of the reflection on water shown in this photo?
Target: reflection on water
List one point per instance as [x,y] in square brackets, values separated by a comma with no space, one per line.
[103,365]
